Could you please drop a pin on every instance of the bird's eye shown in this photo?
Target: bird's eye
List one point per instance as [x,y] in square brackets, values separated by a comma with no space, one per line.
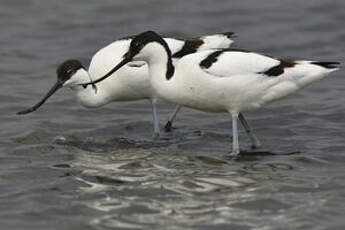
[70,71]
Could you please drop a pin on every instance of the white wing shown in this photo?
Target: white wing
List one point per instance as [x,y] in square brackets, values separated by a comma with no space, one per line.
[228,62]
[217,41]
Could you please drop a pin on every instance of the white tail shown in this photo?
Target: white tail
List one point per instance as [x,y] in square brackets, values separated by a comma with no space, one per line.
[313,71]
[223,40]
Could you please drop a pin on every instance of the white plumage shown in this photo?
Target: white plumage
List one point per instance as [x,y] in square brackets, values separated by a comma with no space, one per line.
[236,81]
[222,80]
[132,81]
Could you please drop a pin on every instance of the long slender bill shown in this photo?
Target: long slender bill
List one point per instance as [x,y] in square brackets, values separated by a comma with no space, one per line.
[122,63]
[57,86]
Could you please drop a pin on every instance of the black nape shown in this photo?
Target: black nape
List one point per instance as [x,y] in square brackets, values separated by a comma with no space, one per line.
[67,69]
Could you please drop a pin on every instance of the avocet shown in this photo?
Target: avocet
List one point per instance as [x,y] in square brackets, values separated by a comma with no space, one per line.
[223,80]
[131,82]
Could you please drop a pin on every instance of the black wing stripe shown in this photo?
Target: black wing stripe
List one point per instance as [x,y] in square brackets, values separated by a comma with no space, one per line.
[271,72]
[229,35]
[279,69]
[213,57]
[327,65]
[190,46]
[210,59]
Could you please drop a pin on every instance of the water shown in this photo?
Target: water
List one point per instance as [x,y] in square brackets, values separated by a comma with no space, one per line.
[66,167]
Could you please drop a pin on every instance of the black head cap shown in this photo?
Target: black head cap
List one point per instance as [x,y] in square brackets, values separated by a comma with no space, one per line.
[67,69]
[64,72]
[140,40]
[144,38]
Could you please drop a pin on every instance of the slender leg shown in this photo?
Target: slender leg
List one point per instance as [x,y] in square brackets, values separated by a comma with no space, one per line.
[155,119]
[235,144]
[168,125]
[255,141]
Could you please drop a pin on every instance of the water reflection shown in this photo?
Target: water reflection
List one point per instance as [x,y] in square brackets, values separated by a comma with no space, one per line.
[142,188]
[136,184]
[66,167]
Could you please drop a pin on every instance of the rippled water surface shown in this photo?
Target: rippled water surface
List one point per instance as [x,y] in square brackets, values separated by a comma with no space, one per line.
[66,167]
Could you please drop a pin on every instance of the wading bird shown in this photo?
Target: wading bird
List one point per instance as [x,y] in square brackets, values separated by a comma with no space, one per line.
[223,80]
[132,82]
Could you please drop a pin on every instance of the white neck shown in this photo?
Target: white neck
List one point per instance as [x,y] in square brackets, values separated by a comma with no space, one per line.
[157,58]
[87,97]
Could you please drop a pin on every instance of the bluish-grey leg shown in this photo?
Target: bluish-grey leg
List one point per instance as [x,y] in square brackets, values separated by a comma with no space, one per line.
[255,141]
[235,144]
[168,125]
[156,132]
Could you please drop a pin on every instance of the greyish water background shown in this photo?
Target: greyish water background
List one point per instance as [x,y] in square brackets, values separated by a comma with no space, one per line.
[66,167]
